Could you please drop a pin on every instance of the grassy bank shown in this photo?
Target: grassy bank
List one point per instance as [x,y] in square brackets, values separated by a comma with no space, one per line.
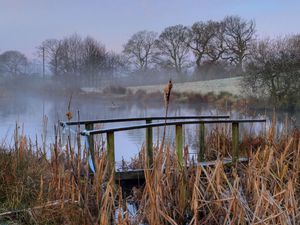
[35,189]
[217,86]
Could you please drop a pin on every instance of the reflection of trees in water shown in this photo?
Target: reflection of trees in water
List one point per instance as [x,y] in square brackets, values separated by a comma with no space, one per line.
[29,110]
[13,106]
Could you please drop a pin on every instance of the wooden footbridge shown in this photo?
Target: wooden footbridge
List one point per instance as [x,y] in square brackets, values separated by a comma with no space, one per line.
[150,122]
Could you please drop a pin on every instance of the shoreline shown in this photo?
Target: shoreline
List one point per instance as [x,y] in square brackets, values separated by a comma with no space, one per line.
[229,85]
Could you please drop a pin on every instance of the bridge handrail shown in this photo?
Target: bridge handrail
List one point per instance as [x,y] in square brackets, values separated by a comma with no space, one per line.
[150,125]
[83,122]
[90,131]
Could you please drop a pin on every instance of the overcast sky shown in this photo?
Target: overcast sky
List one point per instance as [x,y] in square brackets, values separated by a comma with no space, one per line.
[24,24]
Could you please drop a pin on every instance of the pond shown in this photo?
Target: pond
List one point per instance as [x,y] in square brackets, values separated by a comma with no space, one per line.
[29,113]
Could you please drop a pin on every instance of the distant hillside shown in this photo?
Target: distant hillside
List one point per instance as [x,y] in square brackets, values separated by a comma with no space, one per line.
[230,85]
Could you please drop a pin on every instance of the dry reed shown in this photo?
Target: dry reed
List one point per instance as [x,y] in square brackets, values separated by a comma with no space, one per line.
[60,190]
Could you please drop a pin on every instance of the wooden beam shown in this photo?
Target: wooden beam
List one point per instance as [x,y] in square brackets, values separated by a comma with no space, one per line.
[119,120]
[111,152]
[141,126]
[235,141]
[201,142]
[149,144]
[179,142]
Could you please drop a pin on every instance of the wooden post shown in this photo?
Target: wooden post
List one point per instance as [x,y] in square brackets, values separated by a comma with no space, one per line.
[179,143]
[111,152]
[149,144]
[90,126]
[235,141]
[201,142]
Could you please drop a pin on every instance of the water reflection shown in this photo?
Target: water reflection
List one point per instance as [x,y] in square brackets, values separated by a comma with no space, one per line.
[28,112]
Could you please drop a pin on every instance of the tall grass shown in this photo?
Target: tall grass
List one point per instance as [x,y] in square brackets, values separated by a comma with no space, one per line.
[36,189]
[60,189]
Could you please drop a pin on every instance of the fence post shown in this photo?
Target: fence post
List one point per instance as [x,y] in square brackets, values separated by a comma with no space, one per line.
[149,144]
[179,142]
[201,142]
[235,141]
[90,126]
[111,152]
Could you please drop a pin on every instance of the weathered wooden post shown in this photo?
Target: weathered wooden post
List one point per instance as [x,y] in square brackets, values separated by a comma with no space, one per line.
[179,142]
[149,144]
[201,142]
[111,152]
[235,141]
[90,126]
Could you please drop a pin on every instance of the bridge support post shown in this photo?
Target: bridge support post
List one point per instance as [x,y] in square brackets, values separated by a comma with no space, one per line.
[201,142]
[149,144]
[90,126]
[111,152]
[235,142]
[179,142]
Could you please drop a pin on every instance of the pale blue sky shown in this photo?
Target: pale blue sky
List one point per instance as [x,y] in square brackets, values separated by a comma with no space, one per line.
[24,24]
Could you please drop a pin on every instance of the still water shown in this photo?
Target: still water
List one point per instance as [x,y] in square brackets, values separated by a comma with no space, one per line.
[28,112]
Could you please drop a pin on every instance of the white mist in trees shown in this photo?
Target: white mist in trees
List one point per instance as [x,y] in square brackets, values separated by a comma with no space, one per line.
[94,57]
[73,54]
[239,35]
[115,64]
[274,70]
[13,63]
[79,57]
[140,49]
[173,49]
[53,50]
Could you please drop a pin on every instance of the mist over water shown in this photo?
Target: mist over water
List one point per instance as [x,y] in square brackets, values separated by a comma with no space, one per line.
[28,112]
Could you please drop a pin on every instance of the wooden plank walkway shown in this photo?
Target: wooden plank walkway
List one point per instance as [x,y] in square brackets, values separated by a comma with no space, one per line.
[177,121]
[138,174]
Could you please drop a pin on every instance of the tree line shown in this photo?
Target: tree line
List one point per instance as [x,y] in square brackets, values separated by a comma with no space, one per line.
[178,49]
[229,47]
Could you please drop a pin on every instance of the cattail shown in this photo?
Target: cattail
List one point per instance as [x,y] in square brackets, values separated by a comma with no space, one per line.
[69,115]
[167,92]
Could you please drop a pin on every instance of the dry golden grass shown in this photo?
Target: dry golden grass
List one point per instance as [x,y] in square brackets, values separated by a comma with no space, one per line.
[60,190]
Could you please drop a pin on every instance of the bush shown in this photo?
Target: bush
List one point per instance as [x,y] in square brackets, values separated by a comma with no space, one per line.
[114,89]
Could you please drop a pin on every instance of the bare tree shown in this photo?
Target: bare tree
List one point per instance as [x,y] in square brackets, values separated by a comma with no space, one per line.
[217,47]
[274,71]
[139,49]
[94,56]
[204,41]
[13,63]
[73,54]
[54,54]
[239,34]
[173,48]
[115,64]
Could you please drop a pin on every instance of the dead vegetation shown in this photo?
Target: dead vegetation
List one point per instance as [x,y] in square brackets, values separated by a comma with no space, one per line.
[59,189]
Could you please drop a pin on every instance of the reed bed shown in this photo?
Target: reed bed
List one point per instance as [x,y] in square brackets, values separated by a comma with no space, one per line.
[36,189]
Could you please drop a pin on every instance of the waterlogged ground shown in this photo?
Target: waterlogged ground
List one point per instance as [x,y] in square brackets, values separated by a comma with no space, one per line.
[29,112]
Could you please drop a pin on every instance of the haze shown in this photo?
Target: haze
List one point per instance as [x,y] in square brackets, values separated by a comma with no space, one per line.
[25,24]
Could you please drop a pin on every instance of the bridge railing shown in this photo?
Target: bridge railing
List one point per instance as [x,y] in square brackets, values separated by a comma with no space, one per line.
[178,135]
[89,125]
[118,120]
